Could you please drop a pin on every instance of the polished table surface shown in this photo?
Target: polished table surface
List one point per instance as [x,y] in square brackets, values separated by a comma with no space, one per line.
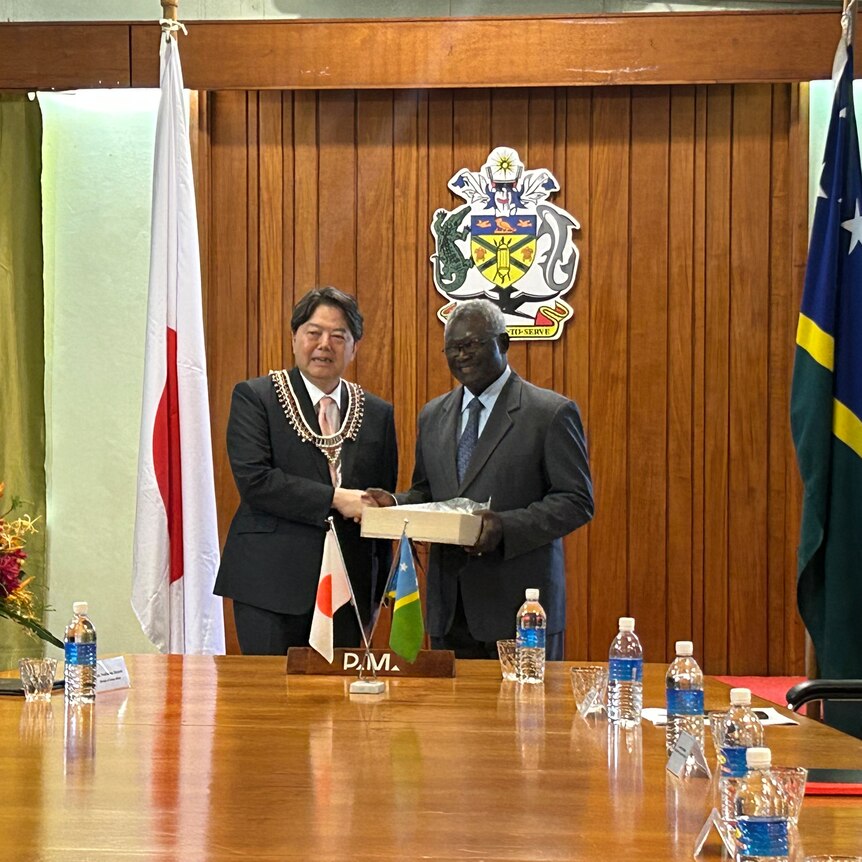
[228,758]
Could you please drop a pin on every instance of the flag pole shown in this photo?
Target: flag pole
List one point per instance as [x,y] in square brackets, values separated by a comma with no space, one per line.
[169,9]
[353,602]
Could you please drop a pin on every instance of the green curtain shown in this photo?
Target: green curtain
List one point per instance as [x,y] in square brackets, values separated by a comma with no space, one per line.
[22,342]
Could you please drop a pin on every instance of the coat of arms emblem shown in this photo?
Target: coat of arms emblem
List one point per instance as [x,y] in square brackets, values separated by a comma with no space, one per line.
[507,244]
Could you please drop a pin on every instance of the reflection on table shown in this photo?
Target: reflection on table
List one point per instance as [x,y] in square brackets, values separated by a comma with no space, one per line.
[226,758]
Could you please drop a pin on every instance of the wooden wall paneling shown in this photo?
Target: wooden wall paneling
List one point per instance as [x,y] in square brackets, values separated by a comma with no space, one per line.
[609,344]
[778,368]
[271,230]
[337,194]
[682,198]
[306,193]
[560,165]
[649,581]
[698,350]
[288,226]
[227,303]
[698,262]
[253,234]
[794,630]
[408,270]
[541,125]
[227,322]
[599,50]
[441,166]
[426,295]
[65,56]
[510,115]
[574,347]
[377,233]
[749,345]
[719,112]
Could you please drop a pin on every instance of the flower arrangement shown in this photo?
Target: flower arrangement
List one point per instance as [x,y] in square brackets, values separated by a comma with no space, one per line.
[17,602]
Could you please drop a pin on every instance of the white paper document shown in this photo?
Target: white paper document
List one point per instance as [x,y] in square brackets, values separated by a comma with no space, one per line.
[768,716]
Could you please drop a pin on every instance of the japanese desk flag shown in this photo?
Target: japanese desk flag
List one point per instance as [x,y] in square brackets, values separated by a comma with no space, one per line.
[333,591]
[176,549]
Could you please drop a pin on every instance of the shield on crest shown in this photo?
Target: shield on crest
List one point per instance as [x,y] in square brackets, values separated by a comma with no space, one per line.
[503,248]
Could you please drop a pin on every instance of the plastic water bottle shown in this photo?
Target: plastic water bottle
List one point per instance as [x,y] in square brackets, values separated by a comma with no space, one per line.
[684,688]
[742,730]
[761,812]
[625,676]
[530,639]
[80,670]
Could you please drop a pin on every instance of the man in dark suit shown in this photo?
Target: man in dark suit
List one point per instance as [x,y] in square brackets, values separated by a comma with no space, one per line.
[301,443]
[498,438]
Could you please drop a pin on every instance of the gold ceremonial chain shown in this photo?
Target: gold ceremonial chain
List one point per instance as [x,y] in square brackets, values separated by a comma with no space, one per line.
[330,446]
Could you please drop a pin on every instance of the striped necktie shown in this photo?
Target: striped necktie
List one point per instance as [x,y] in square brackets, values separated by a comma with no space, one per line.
[328,415]
[467,441]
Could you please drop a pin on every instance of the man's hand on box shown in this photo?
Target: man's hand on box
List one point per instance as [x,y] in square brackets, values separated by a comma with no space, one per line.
[490,534]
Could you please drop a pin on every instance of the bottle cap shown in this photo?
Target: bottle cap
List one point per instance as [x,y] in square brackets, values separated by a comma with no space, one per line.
[740,696]
[684,648]
[758,758]
[80,607]
[627,624]
[531,595]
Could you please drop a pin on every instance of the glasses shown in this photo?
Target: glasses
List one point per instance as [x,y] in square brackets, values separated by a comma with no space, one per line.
[468,345]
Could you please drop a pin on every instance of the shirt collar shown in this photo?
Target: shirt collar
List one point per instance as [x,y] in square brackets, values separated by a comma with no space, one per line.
[315,393]
[491,392]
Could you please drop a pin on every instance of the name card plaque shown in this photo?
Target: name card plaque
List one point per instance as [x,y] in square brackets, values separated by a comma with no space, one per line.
[382,662]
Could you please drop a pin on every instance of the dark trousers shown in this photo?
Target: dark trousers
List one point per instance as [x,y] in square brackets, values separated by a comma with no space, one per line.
[263,632]
[459,639]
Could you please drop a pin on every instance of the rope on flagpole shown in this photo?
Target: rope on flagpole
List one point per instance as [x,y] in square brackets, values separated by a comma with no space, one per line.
[848,20]
[169,22]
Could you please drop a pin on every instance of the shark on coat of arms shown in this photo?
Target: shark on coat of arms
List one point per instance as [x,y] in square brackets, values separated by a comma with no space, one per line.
[507,244]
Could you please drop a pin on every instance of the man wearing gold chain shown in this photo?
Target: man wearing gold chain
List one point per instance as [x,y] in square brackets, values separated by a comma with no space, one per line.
[302,443]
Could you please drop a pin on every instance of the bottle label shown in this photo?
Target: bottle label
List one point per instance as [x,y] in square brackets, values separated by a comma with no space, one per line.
[531,638]
[81,654]
[684,702]
[626,669]
[763,836]
[731,758]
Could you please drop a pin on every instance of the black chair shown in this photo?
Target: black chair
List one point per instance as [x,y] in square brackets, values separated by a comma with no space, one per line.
[837,697]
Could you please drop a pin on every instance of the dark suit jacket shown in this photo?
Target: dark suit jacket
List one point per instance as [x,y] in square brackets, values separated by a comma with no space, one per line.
[272,554]
[531,461]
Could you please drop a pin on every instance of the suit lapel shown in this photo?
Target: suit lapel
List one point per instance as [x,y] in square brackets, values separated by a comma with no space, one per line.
[446,438]
[308,411]
[498,425]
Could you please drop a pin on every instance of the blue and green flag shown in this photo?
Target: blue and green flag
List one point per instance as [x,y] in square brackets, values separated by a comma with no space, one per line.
[408,628]
[826,398]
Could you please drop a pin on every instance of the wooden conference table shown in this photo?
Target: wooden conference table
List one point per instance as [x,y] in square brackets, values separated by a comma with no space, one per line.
[227,758]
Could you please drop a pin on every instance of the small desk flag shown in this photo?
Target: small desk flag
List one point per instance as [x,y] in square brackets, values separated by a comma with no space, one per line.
[408,628]
[333,591]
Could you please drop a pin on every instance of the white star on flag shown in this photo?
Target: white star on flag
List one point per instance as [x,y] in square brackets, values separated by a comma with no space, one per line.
[854,225]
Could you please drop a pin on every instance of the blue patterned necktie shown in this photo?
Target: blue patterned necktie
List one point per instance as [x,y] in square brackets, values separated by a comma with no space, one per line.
[467,441]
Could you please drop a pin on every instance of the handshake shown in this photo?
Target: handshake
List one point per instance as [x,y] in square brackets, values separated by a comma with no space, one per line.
[350,502]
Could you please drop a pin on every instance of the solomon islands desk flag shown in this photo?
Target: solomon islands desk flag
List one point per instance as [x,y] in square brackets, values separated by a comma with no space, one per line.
[408,629]
[333,591]
[826,397]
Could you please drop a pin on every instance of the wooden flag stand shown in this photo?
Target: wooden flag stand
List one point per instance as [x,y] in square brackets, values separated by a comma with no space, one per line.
[381,663]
